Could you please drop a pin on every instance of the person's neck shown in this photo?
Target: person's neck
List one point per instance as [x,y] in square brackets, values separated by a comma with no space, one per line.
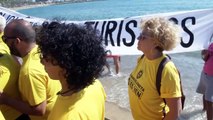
[27,49]
[66,90]
[154,55]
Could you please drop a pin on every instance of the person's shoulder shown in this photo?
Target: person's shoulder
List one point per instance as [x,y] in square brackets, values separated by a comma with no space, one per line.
[96,83]
[4,48]
[170,65]
[95,87]
[33,66]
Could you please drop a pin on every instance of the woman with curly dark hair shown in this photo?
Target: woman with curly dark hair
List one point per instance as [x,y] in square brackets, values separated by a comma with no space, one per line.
[74,54]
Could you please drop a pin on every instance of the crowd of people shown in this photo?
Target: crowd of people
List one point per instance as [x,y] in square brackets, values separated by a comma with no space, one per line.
[51,73]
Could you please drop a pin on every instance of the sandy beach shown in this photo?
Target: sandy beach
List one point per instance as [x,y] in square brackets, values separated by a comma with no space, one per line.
[114,112]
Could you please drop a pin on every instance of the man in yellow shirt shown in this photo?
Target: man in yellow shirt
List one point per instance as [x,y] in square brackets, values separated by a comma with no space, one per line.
[37,90]
[9,71]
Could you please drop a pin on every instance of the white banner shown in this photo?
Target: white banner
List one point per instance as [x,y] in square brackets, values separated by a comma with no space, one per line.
[121,34]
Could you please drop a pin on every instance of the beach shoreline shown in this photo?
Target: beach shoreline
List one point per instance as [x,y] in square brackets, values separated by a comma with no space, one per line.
[31,6]
[44,4]
[114,112]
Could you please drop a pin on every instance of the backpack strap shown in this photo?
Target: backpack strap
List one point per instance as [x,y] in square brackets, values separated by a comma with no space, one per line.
[158,78]
[159,72]
[158,81]
[183,97]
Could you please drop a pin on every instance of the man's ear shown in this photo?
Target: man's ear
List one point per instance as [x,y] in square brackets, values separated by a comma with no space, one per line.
[18,41]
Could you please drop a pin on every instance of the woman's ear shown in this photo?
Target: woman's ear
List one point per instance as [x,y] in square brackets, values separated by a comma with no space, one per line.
[155,44]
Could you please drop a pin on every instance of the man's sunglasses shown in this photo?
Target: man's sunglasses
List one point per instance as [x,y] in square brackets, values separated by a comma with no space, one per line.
[5,38]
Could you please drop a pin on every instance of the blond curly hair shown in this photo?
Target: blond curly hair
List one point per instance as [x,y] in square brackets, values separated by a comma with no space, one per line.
[165,33]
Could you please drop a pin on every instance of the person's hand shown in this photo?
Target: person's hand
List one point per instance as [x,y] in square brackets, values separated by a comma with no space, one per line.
[205,55]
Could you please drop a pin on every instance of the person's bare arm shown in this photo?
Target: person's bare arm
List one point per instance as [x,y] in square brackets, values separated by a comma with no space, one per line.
[175,109]
[23,107]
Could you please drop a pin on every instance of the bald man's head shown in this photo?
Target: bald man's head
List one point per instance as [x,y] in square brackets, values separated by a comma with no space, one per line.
[21,29]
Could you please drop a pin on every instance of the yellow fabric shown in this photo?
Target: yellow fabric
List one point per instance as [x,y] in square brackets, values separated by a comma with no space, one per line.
[3,46]
[1,116]
[9,71]
[145,102]
[88,104]
[35,85]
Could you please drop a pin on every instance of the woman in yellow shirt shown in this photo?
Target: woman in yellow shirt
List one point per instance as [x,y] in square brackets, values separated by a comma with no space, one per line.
[158,34]
[74,55]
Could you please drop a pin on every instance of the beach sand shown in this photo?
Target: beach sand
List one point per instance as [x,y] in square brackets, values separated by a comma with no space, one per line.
[114,112]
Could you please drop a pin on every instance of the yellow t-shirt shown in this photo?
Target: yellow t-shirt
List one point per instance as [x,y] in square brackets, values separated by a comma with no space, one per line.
[35,85]
[88,104]
[1,116]
[3,46]
[145,102]
[9,71]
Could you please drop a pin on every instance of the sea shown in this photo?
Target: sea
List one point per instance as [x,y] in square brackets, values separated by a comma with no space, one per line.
[189,64]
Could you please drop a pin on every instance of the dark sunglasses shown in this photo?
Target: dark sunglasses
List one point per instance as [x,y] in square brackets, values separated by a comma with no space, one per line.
[143,37]
[5,38]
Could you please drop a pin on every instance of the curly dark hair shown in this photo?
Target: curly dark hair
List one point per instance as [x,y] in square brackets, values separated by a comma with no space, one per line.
[78,49]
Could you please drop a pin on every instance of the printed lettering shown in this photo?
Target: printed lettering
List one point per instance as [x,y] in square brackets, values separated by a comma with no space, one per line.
[110,28]
[89,23]
[135,87]
[102,30]
[96,24]
[185,28]
[131,32]
[119,33]
[2,14]
[174,20]
[137,92]
[10,17]
[191,35]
